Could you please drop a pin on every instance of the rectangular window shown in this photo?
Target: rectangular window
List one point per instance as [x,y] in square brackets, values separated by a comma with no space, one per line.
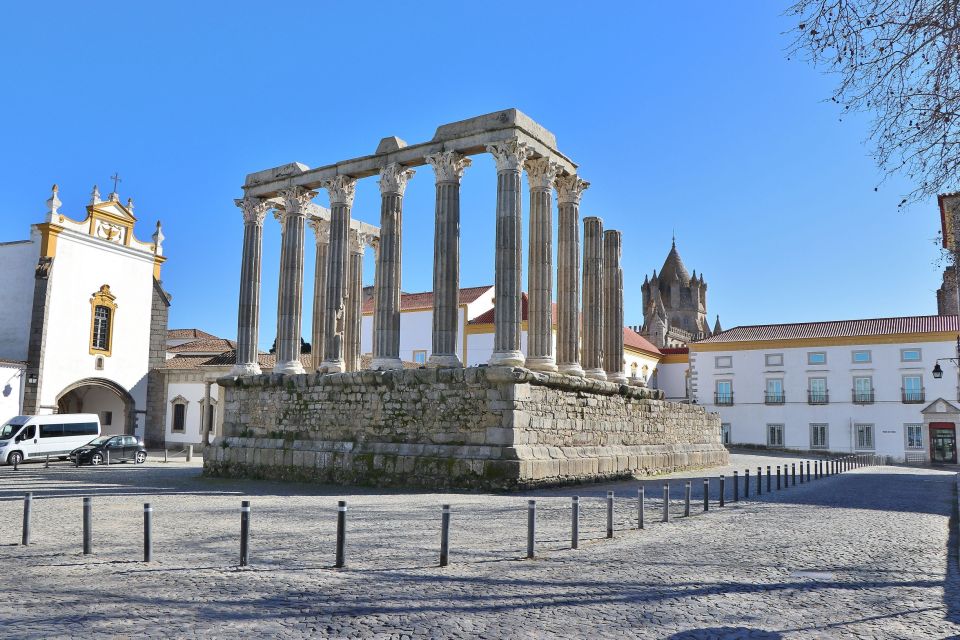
[420,357]
[818,436]
[725,432]
[861,357]
[179,417]
[774,435]
[817,357]
[724,392]
[817,391]
[101,328]
[51,431]
[774,391]
[723,362]
[913,388]
[914,434]
[106,418]
[910,355]
[863,389]
[80,429]
[774,359]
[864,435]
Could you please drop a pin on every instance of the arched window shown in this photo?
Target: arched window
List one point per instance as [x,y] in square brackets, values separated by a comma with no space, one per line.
[102,309]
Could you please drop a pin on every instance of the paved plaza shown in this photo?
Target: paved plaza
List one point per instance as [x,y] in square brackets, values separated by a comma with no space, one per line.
[862,555]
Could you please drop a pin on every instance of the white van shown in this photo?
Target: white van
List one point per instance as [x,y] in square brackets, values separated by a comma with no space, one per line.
[30,437]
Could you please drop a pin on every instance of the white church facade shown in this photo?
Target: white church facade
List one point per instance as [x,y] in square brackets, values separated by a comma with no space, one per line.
[84,316]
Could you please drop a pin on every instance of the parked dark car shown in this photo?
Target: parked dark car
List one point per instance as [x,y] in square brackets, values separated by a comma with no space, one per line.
[120,448]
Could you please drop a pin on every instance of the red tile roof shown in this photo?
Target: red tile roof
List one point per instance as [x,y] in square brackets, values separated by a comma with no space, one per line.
[207,345]
[187,334]
[674,350]
[839,328]
[424,299]
[267,361]
[487,316]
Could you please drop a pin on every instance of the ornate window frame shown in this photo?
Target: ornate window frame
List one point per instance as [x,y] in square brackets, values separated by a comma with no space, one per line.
[178,401]
[103,298]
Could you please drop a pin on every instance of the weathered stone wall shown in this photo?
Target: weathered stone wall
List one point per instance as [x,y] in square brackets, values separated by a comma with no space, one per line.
[488,428]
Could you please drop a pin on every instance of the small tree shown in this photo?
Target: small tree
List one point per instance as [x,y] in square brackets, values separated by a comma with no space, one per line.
[900,61]
[305,347]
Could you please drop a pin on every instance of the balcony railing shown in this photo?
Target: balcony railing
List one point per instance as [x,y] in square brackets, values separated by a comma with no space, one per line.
[818,397]
[774,397]
[863,397]
[912,396]
[723,398]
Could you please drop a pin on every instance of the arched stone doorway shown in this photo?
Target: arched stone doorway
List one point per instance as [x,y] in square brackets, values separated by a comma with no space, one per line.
[114,405]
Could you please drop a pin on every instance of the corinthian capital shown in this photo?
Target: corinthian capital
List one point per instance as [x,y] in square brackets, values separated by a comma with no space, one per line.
[509,155]
[394,177]
[341,189]
[570,188]
[321,229]
[541,172]
[254,209]
[359,240]
[296,199]
[448,166]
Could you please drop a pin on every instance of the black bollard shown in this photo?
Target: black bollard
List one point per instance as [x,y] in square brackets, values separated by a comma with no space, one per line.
[778,477]
[759,481]
[793,473]
[531,527]
[736,487]
[46,464]
[746,483]
[147,532]
[722,489]
[342,534]
[640,506]
[244,533]
[16,463]
[706,494]
[575,522]
[769,479]
[27,509]
[444,536]
[87,525]
[686,504]
[666,503]
[609,514]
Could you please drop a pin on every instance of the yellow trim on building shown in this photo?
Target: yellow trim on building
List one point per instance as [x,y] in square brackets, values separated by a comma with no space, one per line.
[157,263]
[895,338]
[48,239]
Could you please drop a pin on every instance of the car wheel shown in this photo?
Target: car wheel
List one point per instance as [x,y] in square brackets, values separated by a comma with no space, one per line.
[15,458]
[141,457]
[96,459]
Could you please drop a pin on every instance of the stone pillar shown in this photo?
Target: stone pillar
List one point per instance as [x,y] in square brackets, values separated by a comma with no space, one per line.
[448,167]
[541,173]
[321,230]
[248,312]
[354,301]
[290,318]
[386,311]
[569,190]
[341,189]
[207,425]
[613,307]
[593,298]
[509,156]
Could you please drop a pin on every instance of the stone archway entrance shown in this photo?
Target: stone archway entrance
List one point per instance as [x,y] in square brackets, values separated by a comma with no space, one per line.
[114,405]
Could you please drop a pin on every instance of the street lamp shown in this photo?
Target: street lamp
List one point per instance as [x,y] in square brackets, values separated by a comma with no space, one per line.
[937,371]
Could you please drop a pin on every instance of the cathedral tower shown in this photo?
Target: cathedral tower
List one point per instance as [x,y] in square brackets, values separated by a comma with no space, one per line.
[675,304]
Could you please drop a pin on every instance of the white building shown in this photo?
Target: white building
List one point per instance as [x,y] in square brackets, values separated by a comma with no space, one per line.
[84,312]
[841,386]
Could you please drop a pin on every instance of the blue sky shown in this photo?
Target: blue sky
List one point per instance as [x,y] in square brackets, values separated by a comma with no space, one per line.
[683,116]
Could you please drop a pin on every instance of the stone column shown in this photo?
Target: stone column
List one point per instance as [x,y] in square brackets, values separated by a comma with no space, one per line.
[341,189]
[321,229]
[354,301]
[290,318]
[541,173]
[613,307]
[509,156]
[206,425]
[386,311]
[569,190]
[593,298]
[448,167]
[248,312]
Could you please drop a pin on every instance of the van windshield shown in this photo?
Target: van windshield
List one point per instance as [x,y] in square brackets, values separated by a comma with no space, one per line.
[9,430]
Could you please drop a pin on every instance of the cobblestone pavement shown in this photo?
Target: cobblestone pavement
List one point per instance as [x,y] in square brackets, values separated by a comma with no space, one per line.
[862,555]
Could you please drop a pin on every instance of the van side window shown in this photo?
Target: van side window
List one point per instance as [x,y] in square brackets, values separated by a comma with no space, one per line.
[29,433]
[51,430]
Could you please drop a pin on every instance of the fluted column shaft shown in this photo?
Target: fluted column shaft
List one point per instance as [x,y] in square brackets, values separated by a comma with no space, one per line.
[341,189]
[448,167]
[290,318]
[569,190]
[593,298]
[321,229]
[386,313]
[248,310]
[541,173]
[354,301]
[509,157]
[613,307]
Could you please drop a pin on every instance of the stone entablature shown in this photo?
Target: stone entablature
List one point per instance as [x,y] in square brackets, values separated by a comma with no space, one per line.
[485,428]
